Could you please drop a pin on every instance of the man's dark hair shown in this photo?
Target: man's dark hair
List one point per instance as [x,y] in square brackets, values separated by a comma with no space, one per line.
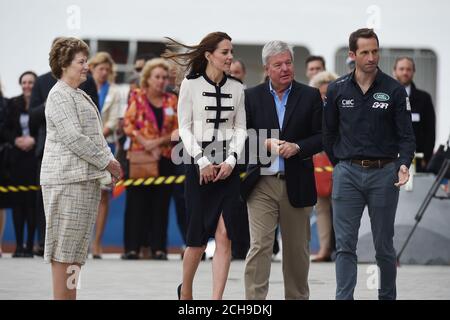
[365,33]
[315,58]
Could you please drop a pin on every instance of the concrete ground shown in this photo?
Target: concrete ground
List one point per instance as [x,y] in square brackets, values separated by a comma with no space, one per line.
[112,278]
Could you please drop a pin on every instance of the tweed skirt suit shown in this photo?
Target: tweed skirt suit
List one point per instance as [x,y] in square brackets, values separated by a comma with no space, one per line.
[75,157]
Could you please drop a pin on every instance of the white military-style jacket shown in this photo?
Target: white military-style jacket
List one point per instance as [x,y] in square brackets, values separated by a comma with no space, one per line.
[209,111]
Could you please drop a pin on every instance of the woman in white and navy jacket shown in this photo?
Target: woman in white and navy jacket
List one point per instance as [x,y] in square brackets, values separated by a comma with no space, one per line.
[212,127]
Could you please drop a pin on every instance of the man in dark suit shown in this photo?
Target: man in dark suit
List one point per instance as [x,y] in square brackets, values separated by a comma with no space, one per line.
[283,190]
[422,111]
[38,129]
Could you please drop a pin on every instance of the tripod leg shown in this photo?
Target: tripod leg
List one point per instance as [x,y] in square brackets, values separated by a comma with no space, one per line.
[433,190]
[431,193]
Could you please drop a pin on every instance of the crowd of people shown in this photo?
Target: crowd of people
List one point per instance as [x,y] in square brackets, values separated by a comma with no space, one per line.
[68,127]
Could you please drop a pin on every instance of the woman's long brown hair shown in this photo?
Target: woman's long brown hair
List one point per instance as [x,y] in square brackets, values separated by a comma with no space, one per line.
[193,60]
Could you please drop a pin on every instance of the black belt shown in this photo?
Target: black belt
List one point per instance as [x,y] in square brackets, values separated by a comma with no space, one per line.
[372,164]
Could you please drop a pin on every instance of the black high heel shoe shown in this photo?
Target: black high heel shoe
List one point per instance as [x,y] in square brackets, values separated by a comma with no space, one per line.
[179,291]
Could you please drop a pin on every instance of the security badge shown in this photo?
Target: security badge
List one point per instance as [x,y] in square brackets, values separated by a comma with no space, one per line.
[408,104]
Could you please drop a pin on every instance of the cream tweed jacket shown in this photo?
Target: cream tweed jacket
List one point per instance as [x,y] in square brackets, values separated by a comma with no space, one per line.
[75,149]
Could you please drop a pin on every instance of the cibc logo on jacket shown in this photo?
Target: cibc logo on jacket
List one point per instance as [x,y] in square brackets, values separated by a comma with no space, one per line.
[347,103]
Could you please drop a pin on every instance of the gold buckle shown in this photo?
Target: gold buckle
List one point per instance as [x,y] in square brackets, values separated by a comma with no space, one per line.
[365,165]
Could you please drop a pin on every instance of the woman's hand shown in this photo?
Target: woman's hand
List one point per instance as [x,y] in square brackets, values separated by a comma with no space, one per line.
[107,132]
[25,143]
[224,171]
[207,174]
[115,169]
[148,144]
[151,144]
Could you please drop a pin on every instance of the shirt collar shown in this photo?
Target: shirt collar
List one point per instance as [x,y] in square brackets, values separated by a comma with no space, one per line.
[408,89]
[377,79]
[272,90]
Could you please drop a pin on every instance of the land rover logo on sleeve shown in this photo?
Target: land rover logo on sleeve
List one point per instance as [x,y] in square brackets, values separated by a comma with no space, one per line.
[380,96]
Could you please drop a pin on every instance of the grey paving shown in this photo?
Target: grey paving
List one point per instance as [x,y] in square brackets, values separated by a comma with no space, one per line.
[112,278]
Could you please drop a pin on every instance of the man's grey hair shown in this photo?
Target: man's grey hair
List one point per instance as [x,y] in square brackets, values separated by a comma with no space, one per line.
[275,47]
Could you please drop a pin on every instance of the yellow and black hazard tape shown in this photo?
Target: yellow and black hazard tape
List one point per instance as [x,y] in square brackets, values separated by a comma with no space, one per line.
[5,189]
[324,169]
[155,181]
[151,181]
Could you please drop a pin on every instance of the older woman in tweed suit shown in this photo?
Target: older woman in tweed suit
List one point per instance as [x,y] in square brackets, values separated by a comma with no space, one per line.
[76,157]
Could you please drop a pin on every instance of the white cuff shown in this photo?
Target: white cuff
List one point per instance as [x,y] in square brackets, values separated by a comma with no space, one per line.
[231,160]
[203,162]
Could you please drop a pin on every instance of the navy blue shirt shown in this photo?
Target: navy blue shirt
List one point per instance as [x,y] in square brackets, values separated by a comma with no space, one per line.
[374,125]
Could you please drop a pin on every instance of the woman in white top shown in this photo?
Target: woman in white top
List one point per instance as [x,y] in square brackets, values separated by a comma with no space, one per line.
[212,127]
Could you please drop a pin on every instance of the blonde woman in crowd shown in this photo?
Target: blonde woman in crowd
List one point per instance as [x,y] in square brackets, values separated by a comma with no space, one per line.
[150,121]
[323,206]
[102,69]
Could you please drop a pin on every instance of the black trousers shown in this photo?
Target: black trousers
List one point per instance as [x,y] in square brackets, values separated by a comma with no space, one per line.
[147,213]
[22,215]
[23,172]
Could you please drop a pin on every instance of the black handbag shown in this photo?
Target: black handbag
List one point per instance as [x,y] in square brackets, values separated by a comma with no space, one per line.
[436,161]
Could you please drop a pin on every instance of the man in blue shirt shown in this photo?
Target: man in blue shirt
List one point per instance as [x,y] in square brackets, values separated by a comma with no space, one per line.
[368,136]
[282,191]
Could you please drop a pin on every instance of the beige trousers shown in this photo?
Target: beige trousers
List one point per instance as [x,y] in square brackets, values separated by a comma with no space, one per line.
[269,205]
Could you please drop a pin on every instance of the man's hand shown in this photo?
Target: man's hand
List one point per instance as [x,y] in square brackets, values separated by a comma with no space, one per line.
[403,176]
[273,145]
[115,169]
[288,150]
[224,171]
[207,174]
[424,163]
